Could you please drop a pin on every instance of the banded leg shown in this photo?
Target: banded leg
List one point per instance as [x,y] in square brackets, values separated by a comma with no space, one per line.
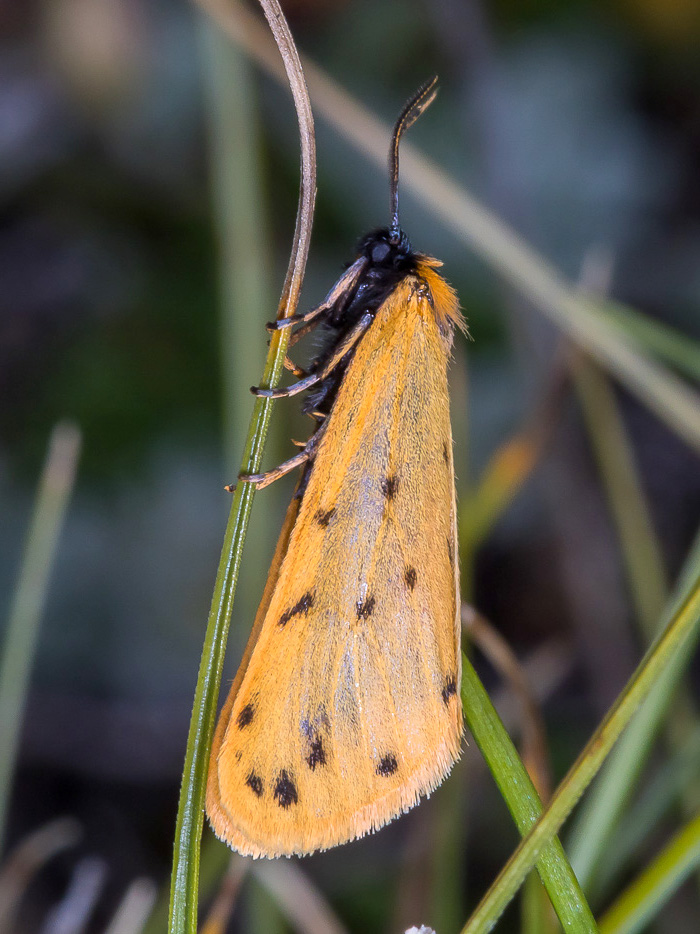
[261,480]
[347,344]
[342,287]
[290,365]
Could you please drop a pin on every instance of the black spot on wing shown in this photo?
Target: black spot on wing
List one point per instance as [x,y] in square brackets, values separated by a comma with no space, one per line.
[254,782]
[302,606]
[285,790]
[323,518]
[388,765]
[449,690]
[365,608]
[390,486]
[410,577]
[446,454]
[317,756]
[245,717]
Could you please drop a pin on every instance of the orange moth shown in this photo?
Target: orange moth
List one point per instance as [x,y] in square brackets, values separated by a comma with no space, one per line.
[345,709]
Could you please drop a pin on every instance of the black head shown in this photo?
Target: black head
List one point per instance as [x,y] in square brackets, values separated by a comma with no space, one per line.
[387,251]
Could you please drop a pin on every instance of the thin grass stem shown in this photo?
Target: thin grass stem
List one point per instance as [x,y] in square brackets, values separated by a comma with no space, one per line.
[523,803]
[190,817]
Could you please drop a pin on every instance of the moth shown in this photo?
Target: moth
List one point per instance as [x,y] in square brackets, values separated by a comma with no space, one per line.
[345,709]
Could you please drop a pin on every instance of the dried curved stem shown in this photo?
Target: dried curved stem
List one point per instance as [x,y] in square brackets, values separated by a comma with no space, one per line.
[190,817]
[307,191]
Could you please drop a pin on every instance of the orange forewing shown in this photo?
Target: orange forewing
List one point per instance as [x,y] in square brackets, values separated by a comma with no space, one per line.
[345,709]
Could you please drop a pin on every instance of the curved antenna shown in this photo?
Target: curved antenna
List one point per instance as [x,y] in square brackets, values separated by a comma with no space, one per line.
[420,101]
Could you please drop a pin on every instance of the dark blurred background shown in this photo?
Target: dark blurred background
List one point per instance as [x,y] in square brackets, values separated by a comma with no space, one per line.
[578,122]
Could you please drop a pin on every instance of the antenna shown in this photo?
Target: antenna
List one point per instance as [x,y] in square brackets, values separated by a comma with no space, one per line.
[420,101]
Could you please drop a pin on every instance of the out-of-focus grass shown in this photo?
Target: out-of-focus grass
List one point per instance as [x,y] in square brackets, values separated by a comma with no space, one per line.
[503,478]
[298,898]
[28,857]
[644,898]
[639,545]
[602,810]
[135,907]
[648,588]
[243,263]
[658,799]
[220,911]
[655,337]
[53,496]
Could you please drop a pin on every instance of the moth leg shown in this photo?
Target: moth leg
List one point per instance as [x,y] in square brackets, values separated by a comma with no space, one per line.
[296,370]
[342,286]
[347,344]
[261,480]
[294,339]
[309,319]
[302,332]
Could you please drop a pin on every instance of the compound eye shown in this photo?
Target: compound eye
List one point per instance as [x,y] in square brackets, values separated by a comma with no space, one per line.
[380,251]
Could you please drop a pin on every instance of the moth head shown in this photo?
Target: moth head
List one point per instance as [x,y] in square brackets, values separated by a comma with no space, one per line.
[387,250]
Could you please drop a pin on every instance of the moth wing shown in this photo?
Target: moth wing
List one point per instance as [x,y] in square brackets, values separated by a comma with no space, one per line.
[346,707]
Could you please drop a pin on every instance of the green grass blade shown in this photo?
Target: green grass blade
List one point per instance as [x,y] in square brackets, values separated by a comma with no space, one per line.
[647,895]
[601,811]
[590,837]
[673,640]
[641,551]
[185,876]
[190,815]
[657,800]
[522,801]
[53,496]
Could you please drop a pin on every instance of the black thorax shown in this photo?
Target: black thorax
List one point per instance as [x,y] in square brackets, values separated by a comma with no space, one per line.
[389,260]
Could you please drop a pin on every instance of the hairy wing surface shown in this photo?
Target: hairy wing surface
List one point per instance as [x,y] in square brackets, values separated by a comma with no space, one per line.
[348,709]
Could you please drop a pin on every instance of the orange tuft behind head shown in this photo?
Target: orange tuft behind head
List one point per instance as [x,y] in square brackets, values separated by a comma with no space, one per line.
[445,301]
